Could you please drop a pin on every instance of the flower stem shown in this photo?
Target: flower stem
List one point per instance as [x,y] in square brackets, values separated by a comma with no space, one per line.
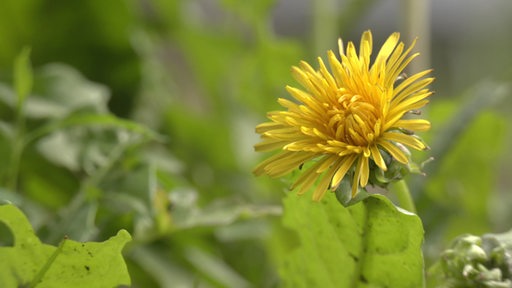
[403,195]
[325,25]
[416,23]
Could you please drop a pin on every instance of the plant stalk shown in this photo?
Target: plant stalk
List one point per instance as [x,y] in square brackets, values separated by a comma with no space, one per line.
[403,195]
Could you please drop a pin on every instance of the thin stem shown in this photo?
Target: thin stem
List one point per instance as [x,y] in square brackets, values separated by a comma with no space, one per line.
[81,198]
[325,25]
[403,195]
[23,80]
[17,146]
[416,24]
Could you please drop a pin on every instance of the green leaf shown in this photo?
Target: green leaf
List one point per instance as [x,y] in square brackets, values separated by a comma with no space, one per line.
[61,90]
[23,78]
[458,176]
[371,244]
[73,264]
[93,120]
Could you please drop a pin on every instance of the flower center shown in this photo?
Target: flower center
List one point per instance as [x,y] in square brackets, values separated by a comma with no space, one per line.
[354,121]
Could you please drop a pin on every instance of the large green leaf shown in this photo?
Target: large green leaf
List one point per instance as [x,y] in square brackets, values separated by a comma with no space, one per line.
[464,172]
[371,244]
[28,262]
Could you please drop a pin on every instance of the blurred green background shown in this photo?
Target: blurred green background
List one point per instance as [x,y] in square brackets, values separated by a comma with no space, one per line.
[142,117]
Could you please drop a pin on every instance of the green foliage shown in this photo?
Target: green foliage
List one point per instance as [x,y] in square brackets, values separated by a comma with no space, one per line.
[452,185]
[464,137]
[85,172]
[84,35]
[370,244]
[30,263]
[163,146]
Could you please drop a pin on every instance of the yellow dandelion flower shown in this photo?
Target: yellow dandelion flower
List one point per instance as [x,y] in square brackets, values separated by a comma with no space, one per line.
[346,117]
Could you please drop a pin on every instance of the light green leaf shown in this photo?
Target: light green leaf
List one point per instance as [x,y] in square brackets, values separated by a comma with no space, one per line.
[93,120]
[458,172]
[73,264]
[23,77]
[187,213]
[215,268]
[371,244]
[61,90]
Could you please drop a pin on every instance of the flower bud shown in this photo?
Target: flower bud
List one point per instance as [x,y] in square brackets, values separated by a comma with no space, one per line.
[474,261]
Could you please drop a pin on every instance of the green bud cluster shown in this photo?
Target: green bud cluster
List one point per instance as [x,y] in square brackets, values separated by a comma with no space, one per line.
[395,171]
[474,261]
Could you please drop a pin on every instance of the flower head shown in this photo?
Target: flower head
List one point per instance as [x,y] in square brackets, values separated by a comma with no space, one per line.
[348,119]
